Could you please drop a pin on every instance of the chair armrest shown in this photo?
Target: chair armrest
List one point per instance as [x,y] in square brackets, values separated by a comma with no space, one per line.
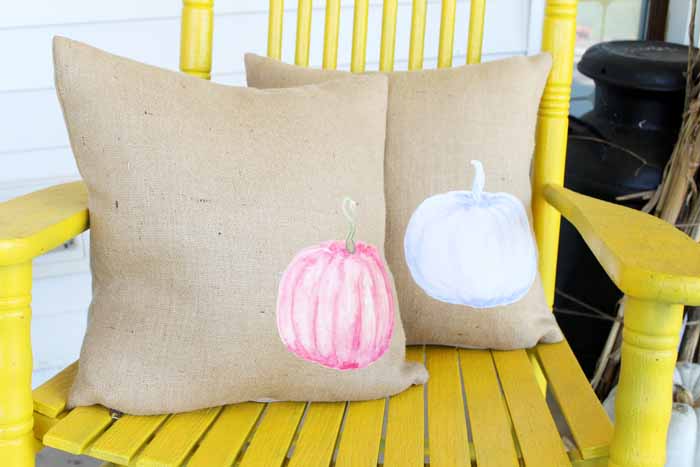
[38,222]
[644,256]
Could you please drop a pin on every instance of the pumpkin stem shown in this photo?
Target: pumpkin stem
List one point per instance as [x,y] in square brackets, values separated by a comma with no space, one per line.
[350,212]
[479,180]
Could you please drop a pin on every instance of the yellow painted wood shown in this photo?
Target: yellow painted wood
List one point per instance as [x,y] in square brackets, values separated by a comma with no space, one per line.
[176,439]
[16,420]
[330,35]
[196,35]
[274,29]
[417,42]
[447,33]
[644,393]
[38,222]
[273,437]
[405,430]
[388,44]
[78,429]
[646,257]
[51,397]
[319,434]
[361,437]
[538,438]
[226,437]
[490,424]
[301,55]
[587,420]
[477,14]
[42,424]
[121,442]
[552,127]
[359,36]
[447,425]
[537,371]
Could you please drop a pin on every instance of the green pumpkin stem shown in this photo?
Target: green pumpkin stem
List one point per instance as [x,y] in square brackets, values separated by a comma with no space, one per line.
[350,212]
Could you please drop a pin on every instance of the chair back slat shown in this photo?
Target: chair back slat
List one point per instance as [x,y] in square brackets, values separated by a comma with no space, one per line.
[359,36]
[303,43]
[274,29]
[447,33]
[386,51]
[330,35]
[475,42]
[552,130]
[417,43]
[197,31]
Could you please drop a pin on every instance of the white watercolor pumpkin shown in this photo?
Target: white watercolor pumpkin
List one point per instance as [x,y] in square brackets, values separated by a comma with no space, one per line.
[472,247]
[682,443]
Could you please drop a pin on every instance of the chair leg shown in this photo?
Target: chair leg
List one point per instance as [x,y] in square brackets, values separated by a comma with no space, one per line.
[644,395]
[17,443]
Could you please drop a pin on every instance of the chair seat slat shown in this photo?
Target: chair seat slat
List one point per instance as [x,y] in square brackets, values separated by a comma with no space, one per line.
[447,425]
[78,429]
[539,440]
[225,439]
[274,435]
[124,438]
[176,439]
[362,432]
[405,431]
[588,422]
[318,435]
[51,397]
[491,427]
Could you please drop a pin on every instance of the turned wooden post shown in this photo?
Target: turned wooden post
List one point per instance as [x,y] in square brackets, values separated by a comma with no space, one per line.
[644,395]
[17,444]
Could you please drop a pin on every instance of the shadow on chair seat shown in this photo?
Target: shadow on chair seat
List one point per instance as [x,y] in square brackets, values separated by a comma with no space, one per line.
[480,408]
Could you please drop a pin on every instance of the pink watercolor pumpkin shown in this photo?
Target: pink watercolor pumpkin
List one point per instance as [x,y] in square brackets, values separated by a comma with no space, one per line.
[335,305]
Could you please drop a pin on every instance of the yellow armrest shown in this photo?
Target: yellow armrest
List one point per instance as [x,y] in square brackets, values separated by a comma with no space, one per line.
[644,256]
[38,222]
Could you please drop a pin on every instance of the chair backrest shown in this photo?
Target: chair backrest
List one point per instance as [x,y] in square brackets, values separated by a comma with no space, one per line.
[558,38]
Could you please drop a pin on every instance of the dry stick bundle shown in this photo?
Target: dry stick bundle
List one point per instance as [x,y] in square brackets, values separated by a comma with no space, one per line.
[676,201]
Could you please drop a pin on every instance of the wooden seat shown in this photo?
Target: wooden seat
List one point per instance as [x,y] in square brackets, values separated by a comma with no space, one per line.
[506,421]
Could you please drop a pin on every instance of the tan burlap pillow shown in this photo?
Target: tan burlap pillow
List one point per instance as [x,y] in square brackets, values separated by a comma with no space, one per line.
[200,195]
[438,121]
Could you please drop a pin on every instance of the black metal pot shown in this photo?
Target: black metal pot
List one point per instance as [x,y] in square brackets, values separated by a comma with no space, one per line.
[619,148]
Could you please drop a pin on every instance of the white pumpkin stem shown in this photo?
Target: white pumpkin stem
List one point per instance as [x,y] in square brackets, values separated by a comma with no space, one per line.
[479,180]
[682,395]
[350,212]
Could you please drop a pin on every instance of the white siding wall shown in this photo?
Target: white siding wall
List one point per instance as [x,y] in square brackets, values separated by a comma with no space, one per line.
[34,148]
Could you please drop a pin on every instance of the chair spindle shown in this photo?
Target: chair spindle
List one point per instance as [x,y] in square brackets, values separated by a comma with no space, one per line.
[330,35]
[447,33]
[303,43]
[386,54]
[359,36]
[274,30]
[475,43]
[417,43]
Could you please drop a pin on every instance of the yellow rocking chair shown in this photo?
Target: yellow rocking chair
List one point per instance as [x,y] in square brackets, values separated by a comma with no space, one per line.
[480,408]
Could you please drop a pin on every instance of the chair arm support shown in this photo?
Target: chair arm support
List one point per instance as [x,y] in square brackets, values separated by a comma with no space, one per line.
[35,223]
[644,256]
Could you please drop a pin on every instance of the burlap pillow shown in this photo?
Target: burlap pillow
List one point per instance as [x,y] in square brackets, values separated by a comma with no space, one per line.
[200,195]
[438,120]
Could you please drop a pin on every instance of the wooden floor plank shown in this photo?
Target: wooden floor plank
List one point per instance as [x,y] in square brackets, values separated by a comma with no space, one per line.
[362,434]
[50,398]
[587,420]
[226,437]
[120,443]
[78,429]
[447,426]
[176,439]
[274,435]
[318,435]
[491,427]
[540,442]
[405,432]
